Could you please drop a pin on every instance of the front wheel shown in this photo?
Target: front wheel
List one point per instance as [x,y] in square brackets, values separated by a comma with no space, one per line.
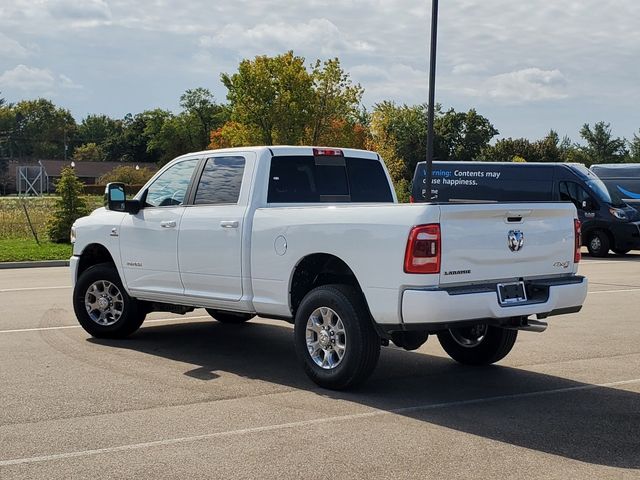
[598,244]
[103,307]
[477,345]
[334,337]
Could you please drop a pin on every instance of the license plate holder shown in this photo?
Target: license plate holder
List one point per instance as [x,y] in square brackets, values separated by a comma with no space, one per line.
[511,293]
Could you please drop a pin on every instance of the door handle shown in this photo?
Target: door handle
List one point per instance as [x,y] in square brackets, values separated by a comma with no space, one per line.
[229,224]
[168,224]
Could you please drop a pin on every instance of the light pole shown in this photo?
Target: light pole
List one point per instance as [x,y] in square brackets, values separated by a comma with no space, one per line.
[432,95]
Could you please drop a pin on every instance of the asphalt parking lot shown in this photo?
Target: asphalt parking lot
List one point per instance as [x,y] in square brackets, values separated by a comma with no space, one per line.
[186,397]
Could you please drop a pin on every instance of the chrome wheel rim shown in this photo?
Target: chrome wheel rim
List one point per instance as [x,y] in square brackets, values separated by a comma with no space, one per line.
[326,338]
[469,337]
[104,303]
[596,244]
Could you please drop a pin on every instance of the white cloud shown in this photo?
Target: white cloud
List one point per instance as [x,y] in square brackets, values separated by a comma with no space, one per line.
[578,56]
[320,34]
[85,10]
[28,79]
[468,68]
[527,85]
[11,48]
[35,80]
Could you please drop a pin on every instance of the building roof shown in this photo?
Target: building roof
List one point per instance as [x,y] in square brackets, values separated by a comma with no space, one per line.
[86,169]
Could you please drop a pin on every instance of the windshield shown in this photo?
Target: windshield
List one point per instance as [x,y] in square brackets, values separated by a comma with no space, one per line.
[600,191]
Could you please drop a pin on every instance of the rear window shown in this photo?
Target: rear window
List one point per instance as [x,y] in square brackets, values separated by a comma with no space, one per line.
[308,179]
[453,182]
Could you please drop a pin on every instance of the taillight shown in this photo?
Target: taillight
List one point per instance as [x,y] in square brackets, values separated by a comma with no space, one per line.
[423,249]
[411,199]
[577,235]
[327,152]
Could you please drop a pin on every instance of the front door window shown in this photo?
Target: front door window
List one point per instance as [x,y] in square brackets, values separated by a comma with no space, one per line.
[170,188]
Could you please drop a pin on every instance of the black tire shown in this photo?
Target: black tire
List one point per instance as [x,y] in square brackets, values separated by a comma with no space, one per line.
[621,251]
[133,312]
[494,346]
[598,243]
[229,317]
[362,343]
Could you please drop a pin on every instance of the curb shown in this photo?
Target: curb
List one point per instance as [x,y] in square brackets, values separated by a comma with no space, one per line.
[38,264]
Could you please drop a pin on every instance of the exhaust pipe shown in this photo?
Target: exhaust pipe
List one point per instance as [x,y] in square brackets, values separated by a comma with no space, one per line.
[529,325]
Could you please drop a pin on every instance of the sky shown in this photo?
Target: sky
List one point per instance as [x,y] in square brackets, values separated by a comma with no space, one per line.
[527,66]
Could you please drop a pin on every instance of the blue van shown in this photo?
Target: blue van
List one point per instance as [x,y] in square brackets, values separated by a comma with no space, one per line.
[608,223]
[622,181]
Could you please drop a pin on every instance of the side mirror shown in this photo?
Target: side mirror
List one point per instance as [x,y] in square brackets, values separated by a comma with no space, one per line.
[588,205]
[116,199]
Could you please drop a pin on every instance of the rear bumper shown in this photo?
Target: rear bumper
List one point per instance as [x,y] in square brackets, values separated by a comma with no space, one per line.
[445,306]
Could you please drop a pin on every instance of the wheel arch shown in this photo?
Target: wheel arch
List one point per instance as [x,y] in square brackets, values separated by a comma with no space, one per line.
[316,269]
[587,235]
[94,254]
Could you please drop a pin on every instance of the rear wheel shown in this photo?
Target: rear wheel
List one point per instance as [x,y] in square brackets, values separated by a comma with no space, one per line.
[598,244]
[477,345]
[229,317]
[334,337]
[103,307]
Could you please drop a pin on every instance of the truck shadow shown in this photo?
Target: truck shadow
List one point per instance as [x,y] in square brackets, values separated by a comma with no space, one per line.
[633,256]
[582,422]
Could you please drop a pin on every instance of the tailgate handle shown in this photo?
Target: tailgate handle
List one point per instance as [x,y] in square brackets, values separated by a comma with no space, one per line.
[516,216]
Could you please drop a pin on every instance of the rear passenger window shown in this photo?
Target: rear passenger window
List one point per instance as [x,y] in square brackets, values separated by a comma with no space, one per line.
[307,179]
[220,181]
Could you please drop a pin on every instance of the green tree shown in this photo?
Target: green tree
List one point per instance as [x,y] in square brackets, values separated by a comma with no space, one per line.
[335,98]
[98,129]
[273,95]
[549,149]
[405,129]
[203,114]
[4,175]
[41,129]
[69,207]
[169,135]
[634,148]
[506,149]
[462,136]
[458,136]
[602,146]
[88,152]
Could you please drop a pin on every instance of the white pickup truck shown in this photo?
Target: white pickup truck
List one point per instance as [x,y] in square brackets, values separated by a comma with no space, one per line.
[315,237]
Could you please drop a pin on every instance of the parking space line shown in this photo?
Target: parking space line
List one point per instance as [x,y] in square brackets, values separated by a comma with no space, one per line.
[26,289]
[304,423]
[616,291]
[63,327]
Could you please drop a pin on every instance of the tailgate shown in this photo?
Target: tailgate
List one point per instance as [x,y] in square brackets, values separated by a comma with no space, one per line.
[506,241]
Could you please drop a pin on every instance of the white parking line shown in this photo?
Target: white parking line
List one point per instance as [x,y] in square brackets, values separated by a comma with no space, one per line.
[63,327]
[26,289]
[616,291]
[304,423]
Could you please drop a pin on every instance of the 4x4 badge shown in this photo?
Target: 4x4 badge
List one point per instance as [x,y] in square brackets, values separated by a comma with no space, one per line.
[515,240]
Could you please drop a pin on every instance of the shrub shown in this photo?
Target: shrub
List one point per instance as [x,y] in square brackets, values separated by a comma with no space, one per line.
[127,174]
[68,208]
